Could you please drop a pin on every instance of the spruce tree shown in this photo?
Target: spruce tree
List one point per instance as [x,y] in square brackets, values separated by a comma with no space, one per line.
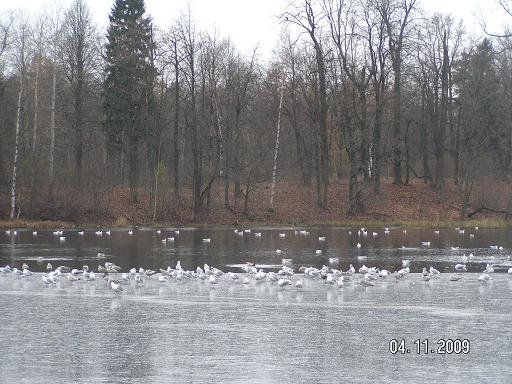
[128,86]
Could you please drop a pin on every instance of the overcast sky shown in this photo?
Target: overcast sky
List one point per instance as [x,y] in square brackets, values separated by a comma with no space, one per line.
[252,23]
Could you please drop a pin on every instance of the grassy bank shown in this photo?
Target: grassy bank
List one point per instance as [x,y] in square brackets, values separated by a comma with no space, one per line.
[415,205]
[481,223]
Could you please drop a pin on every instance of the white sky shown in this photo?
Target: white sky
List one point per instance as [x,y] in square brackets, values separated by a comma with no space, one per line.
[252,23]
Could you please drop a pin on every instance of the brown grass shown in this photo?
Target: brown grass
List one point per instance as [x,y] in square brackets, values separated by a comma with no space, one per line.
[415,205]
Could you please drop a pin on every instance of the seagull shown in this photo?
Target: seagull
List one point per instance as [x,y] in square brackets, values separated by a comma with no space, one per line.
[434,271]
[365,283]
[510,271]
[488,269]
[81,233]
[34,233]
[278,251]
[162,279]
[484,277]
[334,260]
[318,252]
[130,232]
[425,243]
[282,235]
[283,282]
[298,283]
[460,268]
[321,238]
[212,279]
[207,240]
[340,283]
[406,263]
[363,269]
[384,273]
[116,287]
[358,245]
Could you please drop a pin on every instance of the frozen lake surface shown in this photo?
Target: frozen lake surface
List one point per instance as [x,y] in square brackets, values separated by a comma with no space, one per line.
[192,331]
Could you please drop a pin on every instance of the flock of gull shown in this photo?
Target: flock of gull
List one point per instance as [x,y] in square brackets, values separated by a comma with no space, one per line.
[365,276]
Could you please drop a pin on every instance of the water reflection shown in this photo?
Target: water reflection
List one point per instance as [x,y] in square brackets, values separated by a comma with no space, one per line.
[145,248]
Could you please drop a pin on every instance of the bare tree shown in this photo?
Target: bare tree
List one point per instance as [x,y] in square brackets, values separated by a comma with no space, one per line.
[305,17]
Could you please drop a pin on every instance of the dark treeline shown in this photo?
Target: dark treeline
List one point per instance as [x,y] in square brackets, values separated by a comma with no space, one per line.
[365,91]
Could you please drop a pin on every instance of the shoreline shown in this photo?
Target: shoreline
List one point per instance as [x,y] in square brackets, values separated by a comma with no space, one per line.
[352,223]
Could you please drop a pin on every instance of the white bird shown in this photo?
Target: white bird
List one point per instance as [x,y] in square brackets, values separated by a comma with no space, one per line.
[257,234]
[321,238]
[34,233]
[62,238]
[207,240]
[484,277]
[464,259]
[351,270]
[283,282]
[81,233]
[510,271]
[339,283]
[298,284]
[471,235]
[374,234]
[363,269]
[158,231]
[334,260]
[278,251]
[108,232]
[434,271]
[162,279]
[286,261]
[98,233]
[489,269]
[460,267]
[384,273]
[406,263]
[425,243]
[212,279]
[318,252]
[116,287]
[436,232]
[130,232]
[282,235]
[358,245]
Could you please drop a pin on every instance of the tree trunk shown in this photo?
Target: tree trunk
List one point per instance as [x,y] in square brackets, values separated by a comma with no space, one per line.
[176,123]
[397,123]
[52,134]
[34,140]
[276,151]
[15,162]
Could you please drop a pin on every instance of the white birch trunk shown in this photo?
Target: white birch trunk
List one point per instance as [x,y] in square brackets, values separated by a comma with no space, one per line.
[276,151]
[52,126]
[34,138]
[15,162]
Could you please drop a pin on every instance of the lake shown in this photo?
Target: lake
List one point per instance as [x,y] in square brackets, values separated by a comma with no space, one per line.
[192,331]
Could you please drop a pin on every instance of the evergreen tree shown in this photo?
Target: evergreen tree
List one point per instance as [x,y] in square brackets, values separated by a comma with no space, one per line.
[129,80]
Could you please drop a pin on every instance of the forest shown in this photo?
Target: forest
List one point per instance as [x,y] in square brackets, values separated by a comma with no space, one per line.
[370,109]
